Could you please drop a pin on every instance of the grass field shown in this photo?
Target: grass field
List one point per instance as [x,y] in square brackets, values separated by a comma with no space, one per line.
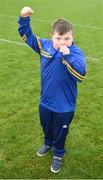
[20,130]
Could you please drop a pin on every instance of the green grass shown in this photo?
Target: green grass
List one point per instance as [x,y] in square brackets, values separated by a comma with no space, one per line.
[20,130]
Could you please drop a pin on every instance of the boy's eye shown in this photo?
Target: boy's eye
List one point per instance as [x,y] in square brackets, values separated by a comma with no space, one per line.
[66,39]
[58,38]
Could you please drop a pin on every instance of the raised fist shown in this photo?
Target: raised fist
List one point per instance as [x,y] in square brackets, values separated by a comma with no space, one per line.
[26,11]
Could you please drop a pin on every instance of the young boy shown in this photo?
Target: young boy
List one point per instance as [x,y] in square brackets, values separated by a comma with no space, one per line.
[62,66]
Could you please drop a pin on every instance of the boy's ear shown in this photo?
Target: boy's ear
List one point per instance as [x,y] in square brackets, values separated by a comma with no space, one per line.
[73,36]
[51,34]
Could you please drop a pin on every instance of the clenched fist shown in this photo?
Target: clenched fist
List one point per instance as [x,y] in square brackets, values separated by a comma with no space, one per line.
[26,11]
[64,49]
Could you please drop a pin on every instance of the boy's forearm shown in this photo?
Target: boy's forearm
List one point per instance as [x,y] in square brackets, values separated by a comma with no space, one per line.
[76,66]
[26,33]
[24,20]
[24,25]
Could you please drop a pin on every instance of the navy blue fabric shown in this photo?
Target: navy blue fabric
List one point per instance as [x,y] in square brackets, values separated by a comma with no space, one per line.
[55,127]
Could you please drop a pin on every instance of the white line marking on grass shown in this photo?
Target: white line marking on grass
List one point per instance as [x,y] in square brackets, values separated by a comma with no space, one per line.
[22,44]
[88,26]
[8,15]
[13,42]
[49,21]
[93,59]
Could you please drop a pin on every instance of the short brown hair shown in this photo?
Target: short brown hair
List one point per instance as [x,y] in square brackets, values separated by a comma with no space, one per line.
[62,26]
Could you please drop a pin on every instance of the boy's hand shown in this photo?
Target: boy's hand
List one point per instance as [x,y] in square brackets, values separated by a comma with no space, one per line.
[64,49]
[26,11]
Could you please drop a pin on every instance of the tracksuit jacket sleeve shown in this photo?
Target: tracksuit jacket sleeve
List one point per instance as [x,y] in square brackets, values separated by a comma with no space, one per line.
[27,34]
[76,65]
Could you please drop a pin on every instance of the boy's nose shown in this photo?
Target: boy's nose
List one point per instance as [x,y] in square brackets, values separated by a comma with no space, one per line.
[62,42]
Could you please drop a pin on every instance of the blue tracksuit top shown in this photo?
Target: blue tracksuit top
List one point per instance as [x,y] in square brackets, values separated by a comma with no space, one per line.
[59,73]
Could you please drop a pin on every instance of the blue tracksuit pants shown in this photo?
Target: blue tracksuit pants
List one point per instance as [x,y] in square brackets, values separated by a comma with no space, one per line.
[55,127]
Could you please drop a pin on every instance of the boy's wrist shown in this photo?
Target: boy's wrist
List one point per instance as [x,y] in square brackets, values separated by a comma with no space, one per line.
[24,18]
[66,56]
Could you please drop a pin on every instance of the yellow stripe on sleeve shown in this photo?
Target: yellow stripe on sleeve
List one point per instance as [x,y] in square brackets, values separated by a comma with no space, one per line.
[24,37]
[76,74]
[39,44]
[41,50]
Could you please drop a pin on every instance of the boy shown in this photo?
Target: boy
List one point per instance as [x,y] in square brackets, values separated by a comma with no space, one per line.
[62,66]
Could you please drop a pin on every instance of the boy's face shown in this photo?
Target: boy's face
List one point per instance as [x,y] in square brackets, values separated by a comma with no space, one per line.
[59,40]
